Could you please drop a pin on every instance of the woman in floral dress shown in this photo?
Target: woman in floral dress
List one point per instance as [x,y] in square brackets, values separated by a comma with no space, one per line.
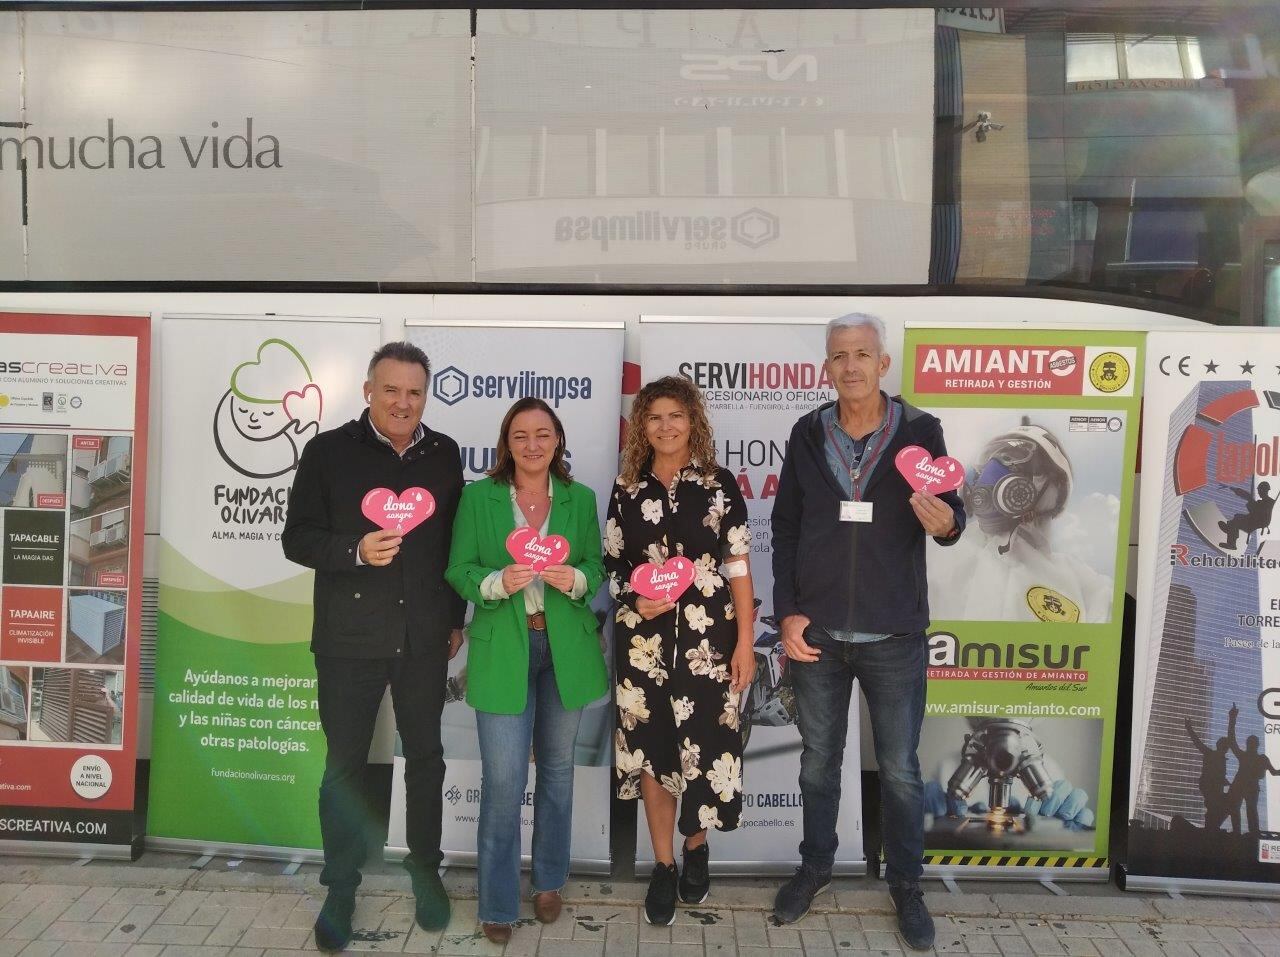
[682,664]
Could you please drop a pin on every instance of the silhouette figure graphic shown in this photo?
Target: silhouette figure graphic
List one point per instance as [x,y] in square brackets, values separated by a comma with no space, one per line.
[1256,514]
[1252,766]
[1213,779]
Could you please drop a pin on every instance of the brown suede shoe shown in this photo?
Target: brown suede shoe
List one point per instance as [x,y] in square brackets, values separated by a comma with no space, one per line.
[497,933]
[546,906]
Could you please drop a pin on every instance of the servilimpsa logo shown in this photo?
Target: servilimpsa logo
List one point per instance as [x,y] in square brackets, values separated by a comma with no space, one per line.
[270,412]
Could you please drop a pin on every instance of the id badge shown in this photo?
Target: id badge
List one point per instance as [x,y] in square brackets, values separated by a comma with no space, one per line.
[856,511]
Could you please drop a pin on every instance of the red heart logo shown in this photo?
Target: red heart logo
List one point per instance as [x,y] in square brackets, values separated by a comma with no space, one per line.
[306,406]
[403,512]
[665,582]
[527,547]
[924,473]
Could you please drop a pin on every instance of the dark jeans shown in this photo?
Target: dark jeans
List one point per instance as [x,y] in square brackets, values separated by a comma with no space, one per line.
[892,675]
[349,692]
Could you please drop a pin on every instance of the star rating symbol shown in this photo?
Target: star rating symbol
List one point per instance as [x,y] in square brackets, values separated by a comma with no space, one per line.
[1211,366]
[1246,367]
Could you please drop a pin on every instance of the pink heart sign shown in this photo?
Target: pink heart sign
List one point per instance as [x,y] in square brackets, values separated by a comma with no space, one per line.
[527,547]
[924,473]
[403,512]
[665,582]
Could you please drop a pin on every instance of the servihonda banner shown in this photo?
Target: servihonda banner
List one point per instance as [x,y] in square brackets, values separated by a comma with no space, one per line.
[1204,802]
[73,444]
[759,376]
[1024,647]
[479,369]
[236,734]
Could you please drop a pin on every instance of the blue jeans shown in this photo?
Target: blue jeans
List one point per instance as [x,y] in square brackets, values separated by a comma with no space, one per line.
[892,676]
[504,755]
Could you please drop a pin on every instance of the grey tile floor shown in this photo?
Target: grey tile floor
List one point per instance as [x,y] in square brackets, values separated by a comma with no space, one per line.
[160,906]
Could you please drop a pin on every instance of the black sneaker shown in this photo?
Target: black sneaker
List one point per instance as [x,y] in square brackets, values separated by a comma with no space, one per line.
[333,925]
[695,879]
[795,897]
[914,922]
[660,901]
[430,902]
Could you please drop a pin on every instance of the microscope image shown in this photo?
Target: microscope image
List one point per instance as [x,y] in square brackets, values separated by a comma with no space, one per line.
[1001,751]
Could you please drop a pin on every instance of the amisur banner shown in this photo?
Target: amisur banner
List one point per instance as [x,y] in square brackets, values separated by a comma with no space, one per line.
[236,735]
[1204,793]
[1024,646]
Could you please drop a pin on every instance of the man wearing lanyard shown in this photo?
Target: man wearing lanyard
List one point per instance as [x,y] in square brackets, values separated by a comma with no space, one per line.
[851,594]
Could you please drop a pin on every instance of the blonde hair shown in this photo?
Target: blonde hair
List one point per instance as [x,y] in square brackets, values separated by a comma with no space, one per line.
[635,447]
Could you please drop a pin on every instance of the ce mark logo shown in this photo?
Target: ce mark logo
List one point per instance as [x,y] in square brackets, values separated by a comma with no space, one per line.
[1182,365]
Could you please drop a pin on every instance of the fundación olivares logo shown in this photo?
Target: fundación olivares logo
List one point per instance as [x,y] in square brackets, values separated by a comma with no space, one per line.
[451,385]
[270,411]
[752,228]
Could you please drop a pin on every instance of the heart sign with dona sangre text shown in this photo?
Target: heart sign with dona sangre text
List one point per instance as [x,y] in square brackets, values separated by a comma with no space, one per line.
[403,512]
[924,473]
[529,548]
[665,582]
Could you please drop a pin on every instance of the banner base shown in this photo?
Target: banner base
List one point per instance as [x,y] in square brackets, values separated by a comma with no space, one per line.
[577,865]
[762,869]
[108,852]
[1095,874]
[1192,885]
[258,852]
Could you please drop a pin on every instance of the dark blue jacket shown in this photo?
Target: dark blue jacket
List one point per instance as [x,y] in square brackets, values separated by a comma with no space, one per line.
[852,576]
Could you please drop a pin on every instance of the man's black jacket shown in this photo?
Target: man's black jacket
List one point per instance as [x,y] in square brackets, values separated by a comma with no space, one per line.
[362,611]
[852,576]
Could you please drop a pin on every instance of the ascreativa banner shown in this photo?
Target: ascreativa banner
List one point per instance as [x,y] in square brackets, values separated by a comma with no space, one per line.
[73,457]
[759,377]
[1204,796]
[235,734]
[479,369]
[1024,646]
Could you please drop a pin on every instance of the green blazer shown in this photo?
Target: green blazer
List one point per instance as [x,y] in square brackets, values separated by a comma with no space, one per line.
[498,655]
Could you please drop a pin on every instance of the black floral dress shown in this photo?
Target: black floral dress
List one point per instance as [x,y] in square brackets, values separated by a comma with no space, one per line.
[677,718]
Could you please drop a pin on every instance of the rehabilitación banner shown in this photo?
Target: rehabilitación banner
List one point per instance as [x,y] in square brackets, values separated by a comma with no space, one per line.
[237,751]
[1204,796]
[73,431]
[758,377]
[1024,646]
[479,368]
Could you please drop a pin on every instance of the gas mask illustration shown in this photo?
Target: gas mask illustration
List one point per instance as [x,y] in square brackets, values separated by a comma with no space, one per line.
[1022,475]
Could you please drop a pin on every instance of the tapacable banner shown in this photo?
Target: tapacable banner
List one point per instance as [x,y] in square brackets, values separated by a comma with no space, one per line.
[1041,428]
[73,460]
[236,732]
[758,377]
[479,369]
[1204,795]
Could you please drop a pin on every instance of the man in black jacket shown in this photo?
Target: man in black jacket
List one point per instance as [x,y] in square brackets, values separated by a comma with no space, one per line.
[383,615]
[851,594]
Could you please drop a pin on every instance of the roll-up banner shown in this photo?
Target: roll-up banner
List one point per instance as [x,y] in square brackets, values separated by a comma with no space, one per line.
[759,376]
[73,457]
[1024,646]
[1204,796]
[480,368]
[236,736]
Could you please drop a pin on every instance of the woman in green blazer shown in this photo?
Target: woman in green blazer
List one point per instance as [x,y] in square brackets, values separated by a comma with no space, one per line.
[534,659]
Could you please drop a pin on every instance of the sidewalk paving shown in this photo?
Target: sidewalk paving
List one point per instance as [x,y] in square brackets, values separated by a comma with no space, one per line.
[160,906]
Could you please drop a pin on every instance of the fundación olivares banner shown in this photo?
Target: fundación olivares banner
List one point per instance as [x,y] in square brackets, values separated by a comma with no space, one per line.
[235,732]
[758,377]
[480,368]
[1204,791]
[1024,646]
[73,456]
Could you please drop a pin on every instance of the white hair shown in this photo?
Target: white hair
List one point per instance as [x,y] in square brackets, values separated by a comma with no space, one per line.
[853,320]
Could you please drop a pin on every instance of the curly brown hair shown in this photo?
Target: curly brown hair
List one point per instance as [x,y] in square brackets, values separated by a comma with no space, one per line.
[636,450]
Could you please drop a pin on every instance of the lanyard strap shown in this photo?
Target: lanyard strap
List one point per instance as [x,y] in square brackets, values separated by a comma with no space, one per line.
[855,470]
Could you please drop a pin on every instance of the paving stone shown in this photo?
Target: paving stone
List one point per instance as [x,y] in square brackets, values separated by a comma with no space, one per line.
[980,943]
[38,920]
[182,907]
[884,940]
[76,931]
[41,948]
[88,904]
[1081,928]
[1215,909]
[686,934]
[92,949]
[783,936]
[421,941]
[648,934]
[526,940]
[289,938]
[983,925]
[585,948]
[1169,931]
[468,943]
[847,939]
[1074,906]
[231,928]
[666,950]
[817,942]
[144,950]
[180,934]
[622,940]
[564,926]
[188,950]
[769,952]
